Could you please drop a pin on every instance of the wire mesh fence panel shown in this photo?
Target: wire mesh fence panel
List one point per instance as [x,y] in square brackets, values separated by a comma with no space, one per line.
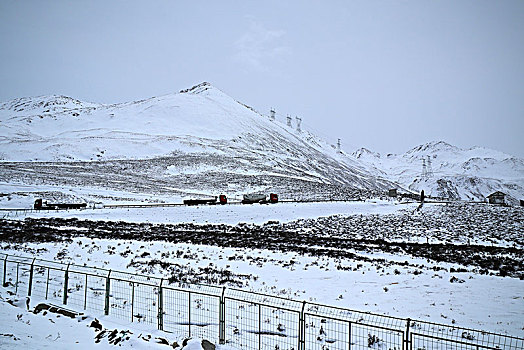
[243,322]
[204,315]
[258,321]
[120,295]
[248,320]
[371,337]
[279,328]
[22,285]
[131,277]
[39,285]
[176,314]
[95,293]
[429,336]
[326,333]
[76,287]
[338,328]
[256,326]
[430,343]
[12,270]
[55,286]
[145,303]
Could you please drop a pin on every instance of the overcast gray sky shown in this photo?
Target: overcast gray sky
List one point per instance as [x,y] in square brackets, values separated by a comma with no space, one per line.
[386,75]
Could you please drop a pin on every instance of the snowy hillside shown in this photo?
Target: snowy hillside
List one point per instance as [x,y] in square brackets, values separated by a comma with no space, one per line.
[197,141]
[451,172]
[200,141]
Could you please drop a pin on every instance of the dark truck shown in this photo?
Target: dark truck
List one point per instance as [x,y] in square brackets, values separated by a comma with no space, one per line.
[222,199]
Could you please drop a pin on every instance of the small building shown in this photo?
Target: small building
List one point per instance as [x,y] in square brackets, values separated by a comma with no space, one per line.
[496,198]
[392,192]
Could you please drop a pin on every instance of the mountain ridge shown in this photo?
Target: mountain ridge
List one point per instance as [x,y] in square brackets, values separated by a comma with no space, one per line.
[448,171]
[209,138]
[204,124]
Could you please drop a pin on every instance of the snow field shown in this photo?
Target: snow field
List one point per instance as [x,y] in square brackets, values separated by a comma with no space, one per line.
[227,214]
[393,284]
[21,328]
[464,299]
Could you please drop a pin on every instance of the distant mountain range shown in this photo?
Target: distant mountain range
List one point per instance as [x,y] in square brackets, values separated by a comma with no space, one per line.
[211,142]
[447,171]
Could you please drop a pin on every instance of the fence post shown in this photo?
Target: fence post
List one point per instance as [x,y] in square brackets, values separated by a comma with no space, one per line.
[132,301]
[17,271]
[160,306]
[108,281]
[47,284]
[222,318]
[189,312]
[259,326]
[349,336]
[85,294]
[31,278]
[5,270]
[407,341]
[302,328]
[66,281]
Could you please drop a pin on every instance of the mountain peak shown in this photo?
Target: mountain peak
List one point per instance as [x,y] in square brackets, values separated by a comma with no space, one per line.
[44,104]
[198,89]
[433,146]
[364,152]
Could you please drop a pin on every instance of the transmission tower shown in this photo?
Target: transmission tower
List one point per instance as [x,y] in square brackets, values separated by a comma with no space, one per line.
[288,121]
[424,169]
[299,121]
[430,169]
[338,145]
[272,114]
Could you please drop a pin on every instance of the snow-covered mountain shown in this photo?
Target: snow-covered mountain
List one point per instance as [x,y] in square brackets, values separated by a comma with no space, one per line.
[451,172]
[201,133]
[201,140]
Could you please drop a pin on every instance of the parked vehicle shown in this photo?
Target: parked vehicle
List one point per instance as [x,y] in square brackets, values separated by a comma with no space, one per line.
[222,199]
[44,205]
[253,198]
[259,198]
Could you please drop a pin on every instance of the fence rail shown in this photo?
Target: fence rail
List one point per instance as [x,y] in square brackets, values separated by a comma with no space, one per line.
[244,320]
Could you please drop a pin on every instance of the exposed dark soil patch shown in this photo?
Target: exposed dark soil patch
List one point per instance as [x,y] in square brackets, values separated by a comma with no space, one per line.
[334,237]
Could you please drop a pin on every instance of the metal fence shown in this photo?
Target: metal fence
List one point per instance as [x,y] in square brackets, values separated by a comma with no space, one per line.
[244,320]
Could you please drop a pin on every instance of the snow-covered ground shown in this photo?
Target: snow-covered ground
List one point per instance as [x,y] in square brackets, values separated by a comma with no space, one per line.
[21,328]
[227,214]
[475,301]
[458,264]
[397,284]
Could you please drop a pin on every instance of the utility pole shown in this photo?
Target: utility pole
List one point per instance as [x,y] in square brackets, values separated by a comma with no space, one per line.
[299,121]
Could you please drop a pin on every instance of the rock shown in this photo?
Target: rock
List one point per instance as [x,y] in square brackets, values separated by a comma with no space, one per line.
[207,345]
[163,341]
[96,325]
